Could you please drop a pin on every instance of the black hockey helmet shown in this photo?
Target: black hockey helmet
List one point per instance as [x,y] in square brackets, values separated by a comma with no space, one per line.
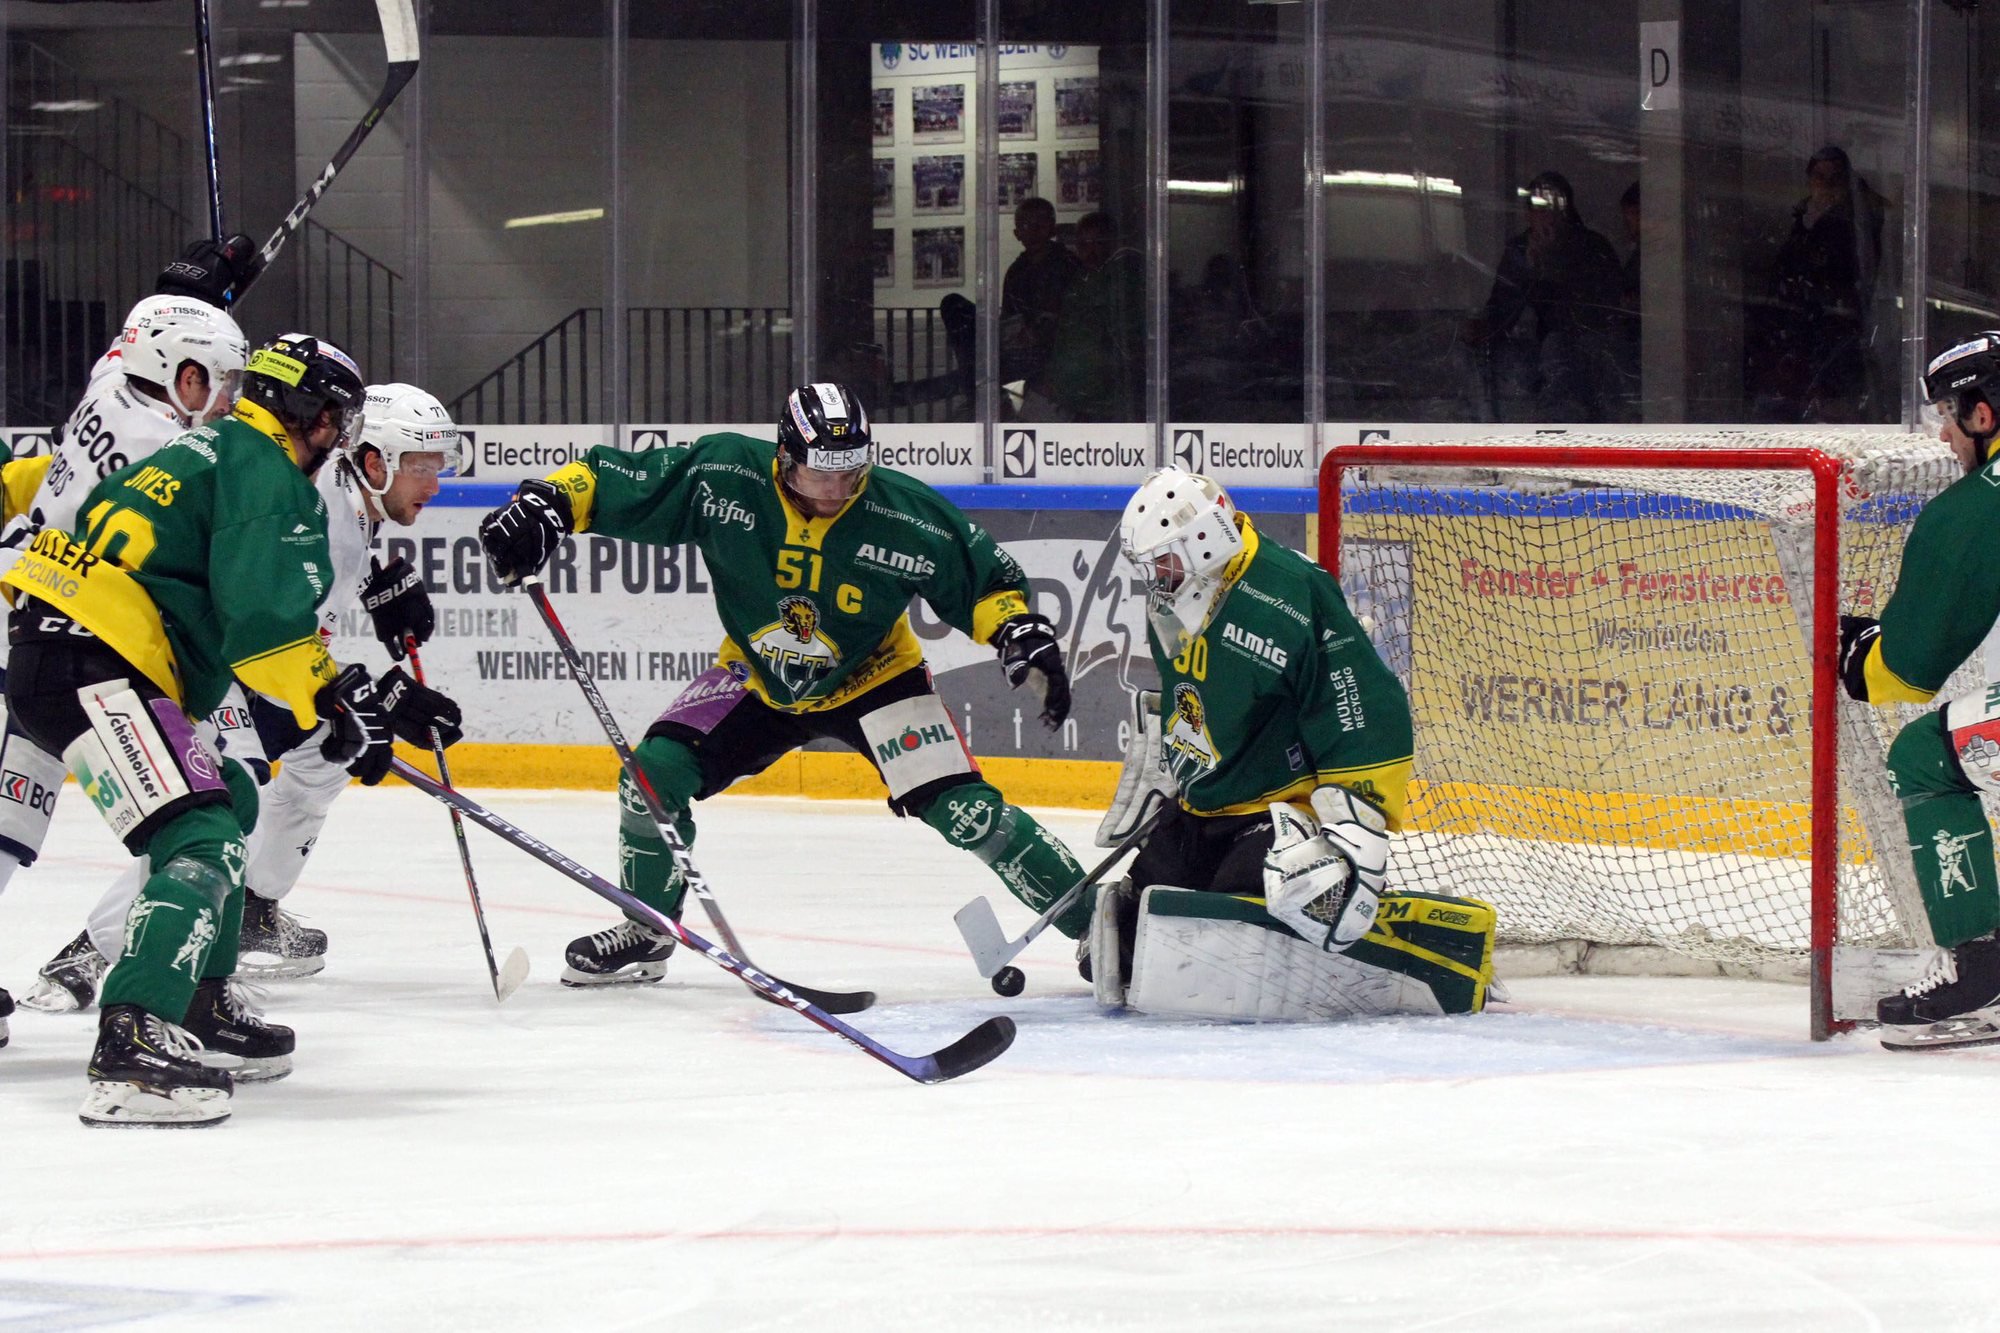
[296,376]
[825,427]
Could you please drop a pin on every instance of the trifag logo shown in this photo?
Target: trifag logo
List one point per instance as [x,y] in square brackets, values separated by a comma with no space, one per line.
[1188,453]
[1017,453]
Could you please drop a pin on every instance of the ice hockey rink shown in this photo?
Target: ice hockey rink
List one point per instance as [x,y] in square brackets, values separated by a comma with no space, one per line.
[1598,1154]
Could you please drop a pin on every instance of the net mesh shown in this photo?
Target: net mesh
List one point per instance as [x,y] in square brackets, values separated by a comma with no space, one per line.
[1611,681]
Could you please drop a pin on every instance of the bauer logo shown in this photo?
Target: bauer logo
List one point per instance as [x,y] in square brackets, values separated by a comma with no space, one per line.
[1017,453]
[1188,453]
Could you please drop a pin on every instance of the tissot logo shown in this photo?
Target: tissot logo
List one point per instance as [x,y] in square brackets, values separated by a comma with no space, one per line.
[1189,455]
[1017,453]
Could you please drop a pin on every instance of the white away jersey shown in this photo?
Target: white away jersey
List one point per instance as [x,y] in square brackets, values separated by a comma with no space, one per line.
[112,426]
[349,534]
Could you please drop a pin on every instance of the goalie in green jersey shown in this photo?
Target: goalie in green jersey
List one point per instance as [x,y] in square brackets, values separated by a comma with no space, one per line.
[815,554]
[1286,743]
[1946,601]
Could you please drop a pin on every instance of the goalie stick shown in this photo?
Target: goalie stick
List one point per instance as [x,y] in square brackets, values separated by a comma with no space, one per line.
[834,1002]
[980,927]
[507,979]
[977,1047]
[399,39]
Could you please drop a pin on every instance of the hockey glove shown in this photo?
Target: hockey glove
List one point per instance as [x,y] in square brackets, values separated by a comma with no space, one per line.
[1326,886]
[1857,635]
[522,534]
[1028,652]
[415,709]
[357,724]
[211,271]
[400,604]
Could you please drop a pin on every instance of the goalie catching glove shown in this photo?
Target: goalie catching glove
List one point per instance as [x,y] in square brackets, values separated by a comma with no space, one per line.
[1326,884]
[1028,652]
[395,598]
[522,534]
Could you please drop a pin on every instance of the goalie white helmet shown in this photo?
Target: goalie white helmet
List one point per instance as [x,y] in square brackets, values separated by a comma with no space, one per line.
[163,333]
[401,419]
[1179,532]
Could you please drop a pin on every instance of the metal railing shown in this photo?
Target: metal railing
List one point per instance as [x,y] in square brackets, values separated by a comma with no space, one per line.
[713,363]
[348,295]
[97,195]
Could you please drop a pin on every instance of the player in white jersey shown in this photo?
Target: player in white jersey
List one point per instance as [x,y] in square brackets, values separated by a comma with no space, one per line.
[177,363]
[407,443]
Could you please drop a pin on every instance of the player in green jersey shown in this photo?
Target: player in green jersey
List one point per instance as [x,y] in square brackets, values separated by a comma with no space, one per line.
[815,554]
[1287,743]
[201,564]
[1946,601]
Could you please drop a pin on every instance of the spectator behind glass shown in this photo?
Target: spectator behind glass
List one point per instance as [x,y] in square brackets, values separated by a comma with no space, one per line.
[1031,297]
[1804,339]
[1097,365]
[1559,364]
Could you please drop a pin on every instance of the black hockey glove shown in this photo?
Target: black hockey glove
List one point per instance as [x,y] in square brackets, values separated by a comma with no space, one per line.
[415,709]
[357,724]
[1028,652]
[396,597]
[211,271]
[522,534]
[1857,636]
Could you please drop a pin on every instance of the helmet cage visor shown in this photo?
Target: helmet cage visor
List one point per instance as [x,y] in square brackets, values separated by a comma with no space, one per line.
[1181,571]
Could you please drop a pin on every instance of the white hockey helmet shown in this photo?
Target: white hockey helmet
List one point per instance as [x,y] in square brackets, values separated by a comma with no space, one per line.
[1179,532]
[402,419]
[162,333]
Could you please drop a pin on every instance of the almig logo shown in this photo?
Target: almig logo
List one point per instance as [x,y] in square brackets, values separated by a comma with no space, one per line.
[1255,644]
[884,558]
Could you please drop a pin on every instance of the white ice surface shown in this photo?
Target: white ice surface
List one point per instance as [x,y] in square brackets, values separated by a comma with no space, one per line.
[1604,1154]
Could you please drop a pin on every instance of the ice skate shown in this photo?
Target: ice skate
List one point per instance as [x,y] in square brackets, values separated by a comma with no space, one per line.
[223,1017]
[67,983]
[274,945]
[628,952]
[147,1071]
[6,1008]
[1956,1002]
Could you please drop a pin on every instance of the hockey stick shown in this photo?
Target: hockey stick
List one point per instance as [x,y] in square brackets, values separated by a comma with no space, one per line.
[834,1002]
[204,69]
[399,38]
[980,928]
[969,1052]
[508,979]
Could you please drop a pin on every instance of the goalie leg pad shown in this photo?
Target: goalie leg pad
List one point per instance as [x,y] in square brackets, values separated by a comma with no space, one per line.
[140,763]
[30,779]
[1217,956]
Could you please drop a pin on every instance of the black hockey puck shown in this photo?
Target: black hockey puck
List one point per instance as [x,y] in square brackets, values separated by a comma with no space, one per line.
[1009,982]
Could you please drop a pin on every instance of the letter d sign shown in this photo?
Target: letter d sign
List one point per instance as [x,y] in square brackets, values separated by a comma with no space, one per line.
[1660,66]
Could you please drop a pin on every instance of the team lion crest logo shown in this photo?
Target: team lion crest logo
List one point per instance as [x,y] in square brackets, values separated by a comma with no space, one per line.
[794,652]
[1190,751]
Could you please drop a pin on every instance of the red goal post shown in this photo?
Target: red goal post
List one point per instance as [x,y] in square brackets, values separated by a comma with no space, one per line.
[1606,649]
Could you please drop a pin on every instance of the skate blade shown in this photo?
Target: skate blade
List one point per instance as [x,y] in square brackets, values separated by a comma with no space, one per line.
[1967,1030]
[626,976]
[273,967]
[50,997]
[268,1069]
[123,1105]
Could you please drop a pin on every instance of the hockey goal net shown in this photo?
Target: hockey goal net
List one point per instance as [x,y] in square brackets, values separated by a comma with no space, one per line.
[1621,653]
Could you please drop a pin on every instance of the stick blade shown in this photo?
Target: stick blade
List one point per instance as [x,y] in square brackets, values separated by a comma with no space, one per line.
[981,1046]
[832,1001]
[987,942]
[512,973]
